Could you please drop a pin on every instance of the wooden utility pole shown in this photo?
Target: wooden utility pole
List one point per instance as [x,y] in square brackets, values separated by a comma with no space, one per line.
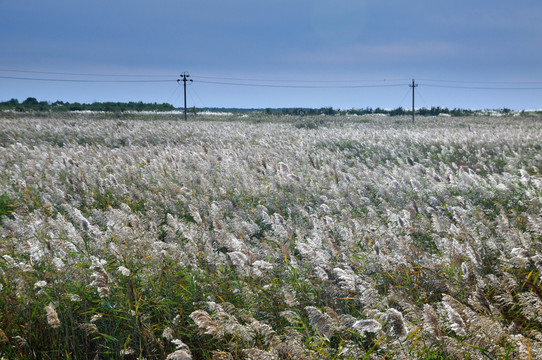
[413,110]
[185,77]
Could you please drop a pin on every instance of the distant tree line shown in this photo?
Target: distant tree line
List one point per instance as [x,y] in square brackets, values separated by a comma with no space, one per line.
[32,104]
[434,111]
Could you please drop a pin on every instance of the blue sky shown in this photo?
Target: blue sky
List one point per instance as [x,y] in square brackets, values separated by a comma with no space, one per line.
[275,53]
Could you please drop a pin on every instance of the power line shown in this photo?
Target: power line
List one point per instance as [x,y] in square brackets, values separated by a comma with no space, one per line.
[422,98]
[205,77]
[299,86]
[82,74]
[84,80]
[404,97]
[193,88]
[301,81]
[173,94]
[482,87]
[272,80]
[482,82]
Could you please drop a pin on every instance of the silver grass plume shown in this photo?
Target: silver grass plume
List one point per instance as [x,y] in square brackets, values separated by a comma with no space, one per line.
[292,317]
[531,306]
[84,223]
[537,259]
[180,355]
[368,325]
[347,320]
[346,279]
[333,315]
[265,332]
[167,333]
[520,256]
[430,321]
[238,259]
[204,322]
[321,321]
[292,347]
[503,296]
[52,316]
[195,214]
[228,324]
[221,355]
[257,354]
[396,324]
[127,352]
[20,341]
[479,302]
[283,168]
[88,328]
[465,273]
[100,277]
[456,322]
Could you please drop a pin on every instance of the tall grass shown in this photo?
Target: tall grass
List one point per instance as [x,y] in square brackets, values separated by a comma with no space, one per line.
[238,238]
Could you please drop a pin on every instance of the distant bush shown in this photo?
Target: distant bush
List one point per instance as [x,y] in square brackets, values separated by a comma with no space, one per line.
[32,104]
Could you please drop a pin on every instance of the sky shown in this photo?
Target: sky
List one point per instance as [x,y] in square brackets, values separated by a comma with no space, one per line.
[477,54]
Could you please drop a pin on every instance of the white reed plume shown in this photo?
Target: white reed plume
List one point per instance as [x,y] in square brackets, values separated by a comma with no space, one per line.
[537,259]
[531,306]
[100,277]
[204,322]
[321,321]
[455,320]
[258,354]
[181,353]
[167,333]
[430,321]
[195,214]
[346,278]
[40,284]
[127,352]
[397,324]
[52,316]
[265,332]
[368,325]
[88,328]
[124,271]
[221,355]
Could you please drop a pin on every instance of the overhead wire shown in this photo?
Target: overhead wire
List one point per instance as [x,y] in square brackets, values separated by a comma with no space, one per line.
[193,89]
[298,86]
[404,97]
[73,77]
[173,93]
[479,82]
[421,96]
[83,74]
[84,80]
[300,81]
[192,99]
[236,81]
[481,87]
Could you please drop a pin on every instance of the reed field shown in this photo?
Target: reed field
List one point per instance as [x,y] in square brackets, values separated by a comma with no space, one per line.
[271,237]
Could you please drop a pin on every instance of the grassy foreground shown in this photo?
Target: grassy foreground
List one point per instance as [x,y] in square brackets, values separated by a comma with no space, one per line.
[271,238]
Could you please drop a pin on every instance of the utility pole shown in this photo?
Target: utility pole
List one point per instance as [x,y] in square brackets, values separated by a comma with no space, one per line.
[413,86]
[185,77]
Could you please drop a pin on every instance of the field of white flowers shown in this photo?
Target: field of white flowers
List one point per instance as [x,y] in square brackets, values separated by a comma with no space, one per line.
[271,238]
